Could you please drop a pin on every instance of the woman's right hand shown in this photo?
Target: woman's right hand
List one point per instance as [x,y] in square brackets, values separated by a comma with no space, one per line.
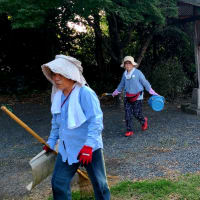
[115,93]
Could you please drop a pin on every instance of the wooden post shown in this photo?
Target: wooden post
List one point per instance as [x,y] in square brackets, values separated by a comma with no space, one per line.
[197,55]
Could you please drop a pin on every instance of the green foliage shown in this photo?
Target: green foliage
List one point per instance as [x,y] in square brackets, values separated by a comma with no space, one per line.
[169,8]
[148,189]
[83,48]
[141,11]
[169,44]
[169,79]
[41,31]
[104,26]
[186,187]
[77,196]
[28,14]
[22,52]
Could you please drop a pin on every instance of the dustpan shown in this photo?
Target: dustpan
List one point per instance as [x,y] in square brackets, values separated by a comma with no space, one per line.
[42,166]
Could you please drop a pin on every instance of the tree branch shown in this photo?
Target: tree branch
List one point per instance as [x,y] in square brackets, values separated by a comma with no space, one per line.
[127,39]
[144,49]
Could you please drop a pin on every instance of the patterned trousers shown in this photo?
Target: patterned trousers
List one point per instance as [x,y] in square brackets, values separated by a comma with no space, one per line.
[133,109]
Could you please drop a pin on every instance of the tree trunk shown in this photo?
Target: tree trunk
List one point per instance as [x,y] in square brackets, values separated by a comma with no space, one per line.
[98,43]
[115,50]
[117,45]
[144,49]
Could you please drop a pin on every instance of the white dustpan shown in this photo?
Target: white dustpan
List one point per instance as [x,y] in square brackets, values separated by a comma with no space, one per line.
[42,166]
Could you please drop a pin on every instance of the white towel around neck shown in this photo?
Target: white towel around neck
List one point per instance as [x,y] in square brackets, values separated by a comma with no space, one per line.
[129,74]
[76,117]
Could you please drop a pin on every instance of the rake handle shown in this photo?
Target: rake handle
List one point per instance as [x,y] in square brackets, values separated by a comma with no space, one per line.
[33,133]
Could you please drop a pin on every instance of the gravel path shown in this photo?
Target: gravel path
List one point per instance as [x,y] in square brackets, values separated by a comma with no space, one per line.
[169,147]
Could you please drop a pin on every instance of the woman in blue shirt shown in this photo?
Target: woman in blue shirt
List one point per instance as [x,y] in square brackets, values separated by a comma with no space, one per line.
[77,122]
[133,83]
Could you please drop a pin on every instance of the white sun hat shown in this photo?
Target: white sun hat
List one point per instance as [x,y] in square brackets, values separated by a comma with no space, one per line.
[67,66]
[128,58]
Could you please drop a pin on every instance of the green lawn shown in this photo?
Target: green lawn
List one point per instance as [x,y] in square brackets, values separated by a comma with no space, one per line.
[185,187]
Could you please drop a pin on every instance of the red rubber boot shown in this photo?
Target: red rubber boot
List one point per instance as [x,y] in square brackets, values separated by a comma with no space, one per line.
[129,133]
[145,125]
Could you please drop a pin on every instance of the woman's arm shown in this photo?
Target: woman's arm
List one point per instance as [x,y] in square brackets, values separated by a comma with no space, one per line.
[91,108]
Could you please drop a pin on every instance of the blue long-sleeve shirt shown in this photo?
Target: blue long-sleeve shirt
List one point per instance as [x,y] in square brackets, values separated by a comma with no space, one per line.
[89,133]
[135,84]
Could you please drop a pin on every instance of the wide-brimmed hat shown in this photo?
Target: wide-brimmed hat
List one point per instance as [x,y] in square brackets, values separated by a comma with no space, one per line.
[129,58]
[67,66]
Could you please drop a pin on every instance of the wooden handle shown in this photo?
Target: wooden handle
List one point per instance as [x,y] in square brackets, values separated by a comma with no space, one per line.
[33,133]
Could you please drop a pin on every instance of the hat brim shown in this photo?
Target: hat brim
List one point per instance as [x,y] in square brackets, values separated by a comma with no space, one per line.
[134,64]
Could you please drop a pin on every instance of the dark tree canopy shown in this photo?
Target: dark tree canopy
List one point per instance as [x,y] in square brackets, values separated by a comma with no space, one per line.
[33,32]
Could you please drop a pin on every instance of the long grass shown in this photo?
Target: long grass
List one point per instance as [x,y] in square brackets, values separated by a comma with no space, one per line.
[186,187]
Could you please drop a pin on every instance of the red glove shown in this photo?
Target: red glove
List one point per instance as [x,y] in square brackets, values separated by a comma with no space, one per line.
[47,149]
[85,155]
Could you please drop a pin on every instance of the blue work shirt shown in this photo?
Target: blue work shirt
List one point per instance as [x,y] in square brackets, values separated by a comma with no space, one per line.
[135,84]
[71,141]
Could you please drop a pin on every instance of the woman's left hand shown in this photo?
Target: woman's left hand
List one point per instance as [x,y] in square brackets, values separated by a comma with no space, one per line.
[85,155]
[152,92]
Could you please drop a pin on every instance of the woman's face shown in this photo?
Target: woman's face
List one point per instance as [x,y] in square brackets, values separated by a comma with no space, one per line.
[61,82]
[128,66]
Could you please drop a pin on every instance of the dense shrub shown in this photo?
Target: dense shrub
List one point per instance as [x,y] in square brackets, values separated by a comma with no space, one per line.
[169,79]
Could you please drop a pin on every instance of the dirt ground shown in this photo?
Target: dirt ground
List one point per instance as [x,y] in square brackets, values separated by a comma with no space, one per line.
[168,148]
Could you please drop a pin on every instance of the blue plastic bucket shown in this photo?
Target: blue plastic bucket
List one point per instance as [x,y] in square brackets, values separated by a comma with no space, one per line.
[156,102]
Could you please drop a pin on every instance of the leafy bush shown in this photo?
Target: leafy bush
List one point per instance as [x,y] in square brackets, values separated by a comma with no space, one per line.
[169,80]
